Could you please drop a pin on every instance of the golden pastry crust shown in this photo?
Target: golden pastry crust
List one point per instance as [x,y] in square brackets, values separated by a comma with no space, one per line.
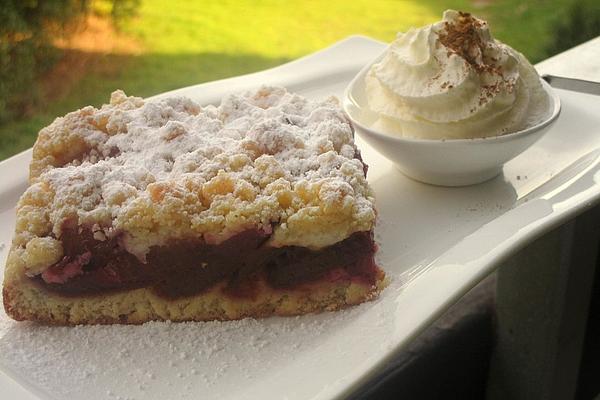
[151,173]
[171,169]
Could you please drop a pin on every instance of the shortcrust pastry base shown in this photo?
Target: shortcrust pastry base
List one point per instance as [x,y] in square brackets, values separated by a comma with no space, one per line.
[25,300]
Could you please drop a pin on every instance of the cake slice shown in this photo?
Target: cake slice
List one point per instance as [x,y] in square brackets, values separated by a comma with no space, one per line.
[166,210]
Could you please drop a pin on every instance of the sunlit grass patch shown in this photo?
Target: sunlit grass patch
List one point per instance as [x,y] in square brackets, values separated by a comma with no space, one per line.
[179,43]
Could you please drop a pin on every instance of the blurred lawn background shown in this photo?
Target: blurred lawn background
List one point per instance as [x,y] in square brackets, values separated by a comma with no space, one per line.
[159,46]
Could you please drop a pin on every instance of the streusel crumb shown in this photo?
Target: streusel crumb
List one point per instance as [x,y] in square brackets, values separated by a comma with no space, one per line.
[154,171]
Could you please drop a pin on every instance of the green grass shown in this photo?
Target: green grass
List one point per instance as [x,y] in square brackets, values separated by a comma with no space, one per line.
[188,42]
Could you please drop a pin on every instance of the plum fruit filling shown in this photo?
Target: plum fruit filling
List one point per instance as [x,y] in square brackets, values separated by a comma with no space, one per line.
[189,267]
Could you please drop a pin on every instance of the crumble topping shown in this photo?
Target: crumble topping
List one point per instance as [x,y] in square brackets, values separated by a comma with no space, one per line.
[151,172]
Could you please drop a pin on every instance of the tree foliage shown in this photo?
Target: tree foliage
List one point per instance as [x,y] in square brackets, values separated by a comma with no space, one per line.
[581,23]
[27,28]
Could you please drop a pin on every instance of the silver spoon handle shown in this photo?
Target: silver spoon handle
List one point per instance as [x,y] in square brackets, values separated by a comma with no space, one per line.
[575,85]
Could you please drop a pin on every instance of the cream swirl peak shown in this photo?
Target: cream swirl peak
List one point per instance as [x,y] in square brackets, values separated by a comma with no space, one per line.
[452,80]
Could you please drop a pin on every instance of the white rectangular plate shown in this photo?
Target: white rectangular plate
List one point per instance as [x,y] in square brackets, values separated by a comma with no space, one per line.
[436,243]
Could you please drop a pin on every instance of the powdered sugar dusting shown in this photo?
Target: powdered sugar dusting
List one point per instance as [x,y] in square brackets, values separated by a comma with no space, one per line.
[155,171]
[160,360]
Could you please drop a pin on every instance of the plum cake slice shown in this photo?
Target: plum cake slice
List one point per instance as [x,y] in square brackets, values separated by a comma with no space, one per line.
[166,210]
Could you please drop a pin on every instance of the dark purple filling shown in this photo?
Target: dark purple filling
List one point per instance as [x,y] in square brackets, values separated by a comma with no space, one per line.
[186,268]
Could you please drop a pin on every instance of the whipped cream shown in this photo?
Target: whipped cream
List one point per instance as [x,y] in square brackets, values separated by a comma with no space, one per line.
[452,80]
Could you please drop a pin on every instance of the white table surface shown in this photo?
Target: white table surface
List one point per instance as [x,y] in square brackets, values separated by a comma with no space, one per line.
[581,62]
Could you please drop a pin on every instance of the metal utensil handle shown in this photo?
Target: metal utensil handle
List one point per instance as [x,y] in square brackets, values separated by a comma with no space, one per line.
[575,85]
